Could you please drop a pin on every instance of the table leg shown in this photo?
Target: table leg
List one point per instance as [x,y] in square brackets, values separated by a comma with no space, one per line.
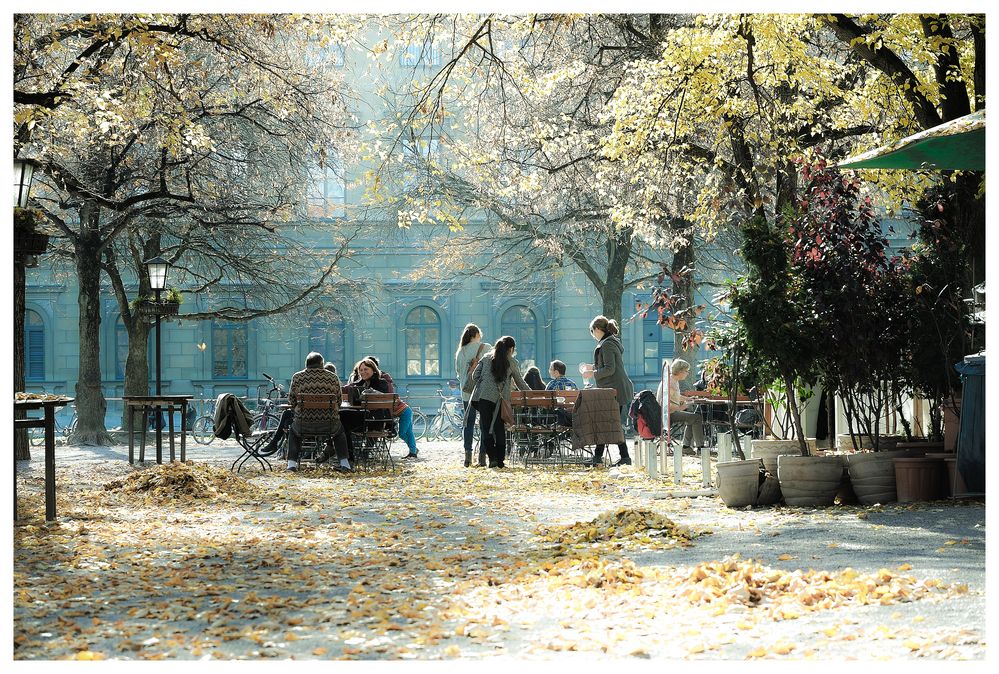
[50,491]
[170,426]
[159,434]
[183,430]
[15,475]
[130,413]
[142,433]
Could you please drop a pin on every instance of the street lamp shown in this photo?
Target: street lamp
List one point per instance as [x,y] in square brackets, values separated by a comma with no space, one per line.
[157,268]
[24,171]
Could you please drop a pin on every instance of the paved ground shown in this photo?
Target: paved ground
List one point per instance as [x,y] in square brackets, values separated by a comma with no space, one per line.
[439,561]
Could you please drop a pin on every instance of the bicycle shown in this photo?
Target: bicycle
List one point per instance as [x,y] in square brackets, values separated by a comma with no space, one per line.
[203,428]
[36,436]
[420,423]
[267,419]
[449,423]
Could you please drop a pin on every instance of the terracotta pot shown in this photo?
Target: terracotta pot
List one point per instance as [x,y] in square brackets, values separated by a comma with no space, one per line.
[954,484]
[739,482]
[873,476]
[919,478]
[952,424]
[809,480]
[913,449]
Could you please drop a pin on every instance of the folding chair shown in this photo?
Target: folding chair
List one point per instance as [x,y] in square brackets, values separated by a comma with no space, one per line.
[236,421]
[537,433]
[379,430]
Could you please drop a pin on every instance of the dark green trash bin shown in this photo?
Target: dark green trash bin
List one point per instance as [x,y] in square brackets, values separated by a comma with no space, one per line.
[971,440]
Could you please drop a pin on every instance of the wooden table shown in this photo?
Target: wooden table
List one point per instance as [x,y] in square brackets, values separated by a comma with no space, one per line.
[47,421]
[143,405]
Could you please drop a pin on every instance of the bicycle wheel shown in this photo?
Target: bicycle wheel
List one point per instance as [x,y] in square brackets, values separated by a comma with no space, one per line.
[203,430]
[270,424]
[36,437]
[419,424]
[434,428]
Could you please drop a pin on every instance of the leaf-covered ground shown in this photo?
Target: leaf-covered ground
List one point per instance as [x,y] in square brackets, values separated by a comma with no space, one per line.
[440,561]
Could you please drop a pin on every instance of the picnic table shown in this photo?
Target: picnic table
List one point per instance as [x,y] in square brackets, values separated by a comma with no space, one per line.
[48,406]
[145,404]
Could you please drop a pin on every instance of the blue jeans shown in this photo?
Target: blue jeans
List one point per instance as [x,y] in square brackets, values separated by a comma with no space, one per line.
[406,429]
[469,431]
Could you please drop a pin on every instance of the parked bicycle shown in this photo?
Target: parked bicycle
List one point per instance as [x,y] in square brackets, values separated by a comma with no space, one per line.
[36,436]
[203,428]
[267,417]
[449,423]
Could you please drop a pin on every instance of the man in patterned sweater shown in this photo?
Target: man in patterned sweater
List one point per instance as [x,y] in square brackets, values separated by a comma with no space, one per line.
[316,380]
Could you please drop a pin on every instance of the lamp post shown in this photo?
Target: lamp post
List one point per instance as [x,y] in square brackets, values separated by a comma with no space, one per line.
[24,171]
[157,268]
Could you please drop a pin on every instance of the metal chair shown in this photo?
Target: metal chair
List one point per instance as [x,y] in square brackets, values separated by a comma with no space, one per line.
[379,430]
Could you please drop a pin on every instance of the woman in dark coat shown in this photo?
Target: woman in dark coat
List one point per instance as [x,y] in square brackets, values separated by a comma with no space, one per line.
[608,372]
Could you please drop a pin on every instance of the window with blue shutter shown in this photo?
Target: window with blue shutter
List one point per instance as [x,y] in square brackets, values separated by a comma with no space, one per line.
[328,336]
[657,342]
[34,346]
[520,323]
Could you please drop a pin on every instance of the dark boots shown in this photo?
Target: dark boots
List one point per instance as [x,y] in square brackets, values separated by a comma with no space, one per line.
[482,458]
[468,458]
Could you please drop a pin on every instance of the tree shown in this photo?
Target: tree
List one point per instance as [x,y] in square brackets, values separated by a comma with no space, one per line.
[512,126]
[142,118]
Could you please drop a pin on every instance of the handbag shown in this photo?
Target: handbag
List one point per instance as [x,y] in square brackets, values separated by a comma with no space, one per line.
[505,408]
[469,385]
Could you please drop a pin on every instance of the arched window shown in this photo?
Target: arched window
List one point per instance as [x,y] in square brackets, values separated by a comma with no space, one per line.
[328,336]
[423,343]
[34,346]
[229,349]
[120,348]
[520,323]
[657,343]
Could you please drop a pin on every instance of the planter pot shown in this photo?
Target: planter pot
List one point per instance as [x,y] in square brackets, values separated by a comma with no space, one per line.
[919,479]
[809,480]
[739,482]
[161,309]
[846,494]
[913,449]
[768,451]
[951,424]
[953,483]
[872,475]
[771,449]
[885,442]
[30,242]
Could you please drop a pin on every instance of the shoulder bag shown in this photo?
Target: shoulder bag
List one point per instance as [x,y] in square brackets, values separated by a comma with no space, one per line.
[468,386]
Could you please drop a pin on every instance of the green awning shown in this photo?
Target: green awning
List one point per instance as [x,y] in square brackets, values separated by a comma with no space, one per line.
[955,145]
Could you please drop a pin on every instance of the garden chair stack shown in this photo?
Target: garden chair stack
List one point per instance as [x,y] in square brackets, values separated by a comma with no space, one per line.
[534,434]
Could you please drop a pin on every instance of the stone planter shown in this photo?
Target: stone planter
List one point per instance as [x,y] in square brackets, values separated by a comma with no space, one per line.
[885,443]
[739,482]
[919,478]
[768,451]
[809,480]
[872,475]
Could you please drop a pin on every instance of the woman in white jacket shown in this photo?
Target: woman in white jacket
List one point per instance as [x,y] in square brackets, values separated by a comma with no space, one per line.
[471,348]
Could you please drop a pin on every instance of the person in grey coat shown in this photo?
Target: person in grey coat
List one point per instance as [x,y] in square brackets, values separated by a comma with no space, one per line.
[471,348]
[492,379]
[608,372]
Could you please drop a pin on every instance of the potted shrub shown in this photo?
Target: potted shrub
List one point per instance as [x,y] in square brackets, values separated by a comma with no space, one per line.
[168,306]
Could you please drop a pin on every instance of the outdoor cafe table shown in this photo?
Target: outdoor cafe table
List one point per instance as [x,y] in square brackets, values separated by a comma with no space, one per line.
[143,405]
[47,421]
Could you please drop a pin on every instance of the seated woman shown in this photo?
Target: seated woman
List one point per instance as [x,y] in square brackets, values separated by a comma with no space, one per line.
[368,375]
[533,379]
[678,404]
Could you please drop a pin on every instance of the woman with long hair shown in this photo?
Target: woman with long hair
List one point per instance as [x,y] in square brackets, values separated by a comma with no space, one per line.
[470,351]
[608,372]
[367,374]
[533,379]
[492,379]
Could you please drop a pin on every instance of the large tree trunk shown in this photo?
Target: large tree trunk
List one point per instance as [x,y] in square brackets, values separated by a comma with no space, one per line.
[90,403]
[618,254]
[22,450]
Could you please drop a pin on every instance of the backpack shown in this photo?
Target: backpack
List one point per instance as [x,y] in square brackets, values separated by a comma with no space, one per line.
[647,413]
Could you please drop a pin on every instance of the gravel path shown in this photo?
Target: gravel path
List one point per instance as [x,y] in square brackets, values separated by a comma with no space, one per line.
[439,561]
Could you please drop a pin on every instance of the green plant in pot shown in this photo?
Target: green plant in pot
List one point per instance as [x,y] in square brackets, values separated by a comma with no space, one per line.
[855,293]
[173,296]
[779,340]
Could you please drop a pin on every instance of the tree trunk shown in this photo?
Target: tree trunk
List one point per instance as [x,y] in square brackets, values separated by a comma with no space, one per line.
[684,288]
[137,363]
[22,451]
[90,403]
[792,404]
[618,254]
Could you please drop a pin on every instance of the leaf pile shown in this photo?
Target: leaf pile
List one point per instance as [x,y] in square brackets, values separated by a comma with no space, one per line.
[788,593]
[177,480]
[624,524]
